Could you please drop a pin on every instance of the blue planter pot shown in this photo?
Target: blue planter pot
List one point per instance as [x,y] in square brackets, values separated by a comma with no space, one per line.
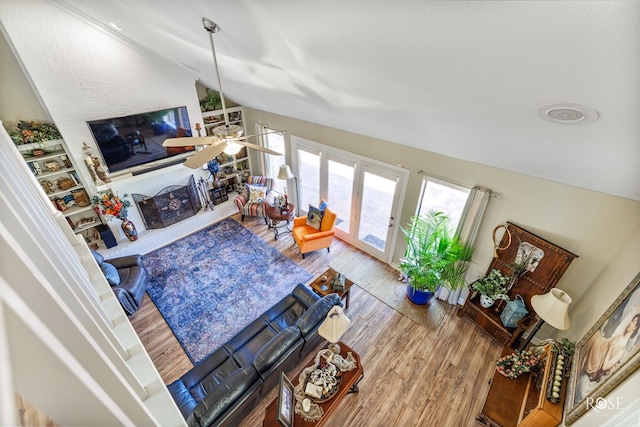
[419,297]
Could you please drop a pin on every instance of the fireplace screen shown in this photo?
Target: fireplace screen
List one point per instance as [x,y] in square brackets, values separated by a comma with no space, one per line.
[169,206]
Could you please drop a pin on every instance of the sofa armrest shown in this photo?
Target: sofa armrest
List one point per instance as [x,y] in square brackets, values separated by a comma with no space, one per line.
[223,397]
[182,397]
[126,261]
[315,314]
[305,295]
[299,221]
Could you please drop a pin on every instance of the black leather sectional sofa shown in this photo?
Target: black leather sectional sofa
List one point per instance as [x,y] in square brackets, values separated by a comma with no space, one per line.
[223,388]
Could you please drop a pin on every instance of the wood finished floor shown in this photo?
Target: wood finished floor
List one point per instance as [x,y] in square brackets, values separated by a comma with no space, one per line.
[412,376]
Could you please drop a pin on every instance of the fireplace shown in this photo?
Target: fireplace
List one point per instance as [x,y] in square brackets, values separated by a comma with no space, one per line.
[170,205]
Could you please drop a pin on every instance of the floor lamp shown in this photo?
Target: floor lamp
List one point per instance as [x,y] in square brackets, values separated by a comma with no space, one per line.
[286,174]
[553,308]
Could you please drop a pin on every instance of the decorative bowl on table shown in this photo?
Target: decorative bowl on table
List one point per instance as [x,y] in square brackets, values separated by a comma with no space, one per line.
[323,383]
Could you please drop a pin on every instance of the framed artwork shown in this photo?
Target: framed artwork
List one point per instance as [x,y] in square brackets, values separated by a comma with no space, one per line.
[285,409]
[606,355]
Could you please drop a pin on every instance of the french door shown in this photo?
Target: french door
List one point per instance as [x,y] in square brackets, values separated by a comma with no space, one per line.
[364,193]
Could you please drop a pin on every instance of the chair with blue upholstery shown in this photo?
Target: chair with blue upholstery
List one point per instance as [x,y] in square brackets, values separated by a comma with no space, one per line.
[253,199]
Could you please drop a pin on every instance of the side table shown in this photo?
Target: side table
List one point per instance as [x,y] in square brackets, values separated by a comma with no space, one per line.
[280,219]
[324,288]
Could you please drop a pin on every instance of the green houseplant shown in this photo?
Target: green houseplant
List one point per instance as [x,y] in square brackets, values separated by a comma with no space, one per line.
[492,287]
[435,257]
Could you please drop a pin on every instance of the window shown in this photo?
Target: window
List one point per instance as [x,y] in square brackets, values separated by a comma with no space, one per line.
[274,141]
[444,197]
[309,167]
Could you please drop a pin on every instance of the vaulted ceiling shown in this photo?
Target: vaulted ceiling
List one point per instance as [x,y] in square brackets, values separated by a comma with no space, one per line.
[460,78]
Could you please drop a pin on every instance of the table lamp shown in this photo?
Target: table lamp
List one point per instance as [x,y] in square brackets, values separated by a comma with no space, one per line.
[553,308]
[285,174]
[333,328]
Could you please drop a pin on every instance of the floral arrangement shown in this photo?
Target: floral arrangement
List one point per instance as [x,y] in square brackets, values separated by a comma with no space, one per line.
[213,166]
[516,364]
[111,205]
[33,132]
[493,285]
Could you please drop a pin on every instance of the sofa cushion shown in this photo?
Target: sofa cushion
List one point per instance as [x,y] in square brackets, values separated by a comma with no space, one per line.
[315,314]
[275,348]
[244,345]
[222,397]
[110,273]
[219,361]
[284,314]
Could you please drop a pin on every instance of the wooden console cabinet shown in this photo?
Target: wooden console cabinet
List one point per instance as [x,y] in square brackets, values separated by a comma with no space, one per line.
[516,243]
[522,401]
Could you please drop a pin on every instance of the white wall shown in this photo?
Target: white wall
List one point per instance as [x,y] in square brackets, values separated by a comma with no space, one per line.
[82,72]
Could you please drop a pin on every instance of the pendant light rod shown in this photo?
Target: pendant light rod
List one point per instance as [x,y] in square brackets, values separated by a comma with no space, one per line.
[211,28]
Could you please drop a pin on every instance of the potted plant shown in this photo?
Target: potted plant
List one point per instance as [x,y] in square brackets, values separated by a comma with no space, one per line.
[435,257]
[211,101]
[492,287]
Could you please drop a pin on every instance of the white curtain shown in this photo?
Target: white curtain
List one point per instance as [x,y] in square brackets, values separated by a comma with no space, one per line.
[467,230]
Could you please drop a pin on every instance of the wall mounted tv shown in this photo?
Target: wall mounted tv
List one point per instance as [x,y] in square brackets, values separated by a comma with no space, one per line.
[132,141]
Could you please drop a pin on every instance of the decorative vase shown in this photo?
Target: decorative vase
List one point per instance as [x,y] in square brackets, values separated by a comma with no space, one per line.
[418,296]
[129,230]
[216,181]
[486,301]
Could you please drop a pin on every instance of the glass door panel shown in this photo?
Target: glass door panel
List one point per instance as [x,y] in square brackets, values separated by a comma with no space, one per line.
[340,190]
[376,217]
[308,179]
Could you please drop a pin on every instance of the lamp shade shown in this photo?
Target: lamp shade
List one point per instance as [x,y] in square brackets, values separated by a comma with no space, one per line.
[334,325]
[553,308]
[285,172]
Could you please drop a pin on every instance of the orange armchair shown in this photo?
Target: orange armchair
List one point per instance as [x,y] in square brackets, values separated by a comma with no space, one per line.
[310,239]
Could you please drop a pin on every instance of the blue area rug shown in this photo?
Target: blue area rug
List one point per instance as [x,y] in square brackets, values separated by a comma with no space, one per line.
[211,284]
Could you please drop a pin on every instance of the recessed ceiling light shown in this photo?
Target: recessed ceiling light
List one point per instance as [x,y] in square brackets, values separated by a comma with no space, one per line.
[568,114]
[116,26]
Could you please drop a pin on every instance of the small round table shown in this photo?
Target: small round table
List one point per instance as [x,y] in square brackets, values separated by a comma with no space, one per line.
[280,218]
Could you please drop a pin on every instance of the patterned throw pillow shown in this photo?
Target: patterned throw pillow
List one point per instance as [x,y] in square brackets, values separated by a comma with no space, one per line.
[314,217]
[257,194]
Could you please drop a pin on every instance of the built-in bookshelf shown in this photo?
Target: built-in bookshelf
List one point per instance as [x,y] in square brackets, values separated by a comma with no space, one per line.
[55,171]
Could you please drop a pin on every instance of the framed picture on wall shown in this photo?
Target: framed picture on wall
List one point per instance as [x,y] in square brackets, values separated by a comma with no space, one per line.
[606,355]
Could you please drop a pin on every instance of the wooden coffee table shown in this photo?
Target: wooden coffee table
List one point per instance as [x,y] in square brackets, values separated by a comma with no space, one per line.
[349,384]
[324,288]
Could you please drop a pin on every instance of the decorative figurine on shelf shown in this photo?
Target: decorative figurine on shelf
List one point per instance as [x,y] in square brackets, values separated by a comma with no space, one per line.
[98,171]
[198,129]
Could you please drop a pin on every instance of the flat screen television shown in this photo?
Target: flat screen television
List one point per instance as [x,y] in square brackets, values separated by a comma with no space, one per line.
[127,143]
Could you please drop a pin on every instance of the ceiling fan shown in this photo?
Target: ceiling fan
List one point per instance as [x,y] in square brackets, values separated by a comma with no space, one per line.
[226,138]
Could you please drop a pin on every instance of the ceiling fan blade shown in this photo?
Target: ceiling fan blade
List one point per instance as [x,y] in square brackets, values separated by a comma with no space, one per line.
[190,141]
[203,156]
[259,148]
[260,134]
